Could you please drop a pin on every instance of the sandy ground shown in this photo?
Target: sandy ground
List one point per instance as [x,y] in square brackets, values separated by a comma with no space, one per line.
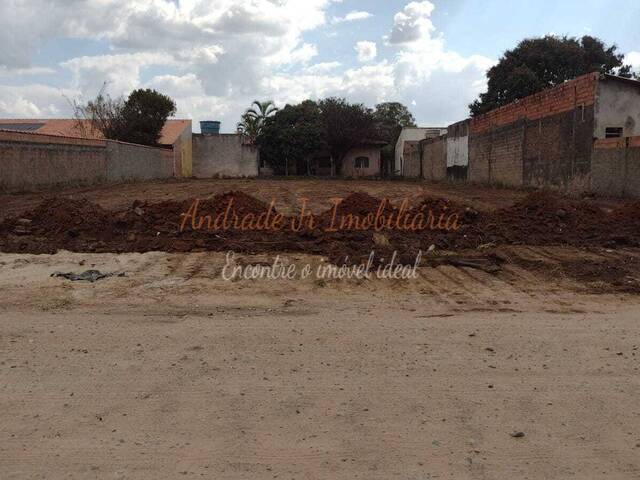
[172,372]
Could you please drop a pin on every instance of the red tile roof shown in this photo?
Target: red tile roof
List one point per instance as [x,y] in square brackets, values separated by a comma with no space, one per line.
[69,128]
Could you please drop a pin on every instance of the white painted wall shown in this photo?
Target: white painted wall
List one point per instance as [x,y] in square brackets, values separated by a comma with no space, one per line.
[617,105]
[409,134]
[458,151]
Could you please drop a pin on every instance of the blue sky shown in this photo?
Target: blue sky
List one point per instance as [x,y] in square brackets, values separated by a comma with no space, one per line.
[214,57]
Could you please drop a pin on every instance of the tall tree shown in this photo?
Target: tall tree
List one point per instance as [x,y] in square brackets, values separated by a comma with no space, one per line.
[391,118]
[539,63]
[262,110]
[254,118]
[250,127]
[144,114]
[345,126]
[290,136]
[139,119]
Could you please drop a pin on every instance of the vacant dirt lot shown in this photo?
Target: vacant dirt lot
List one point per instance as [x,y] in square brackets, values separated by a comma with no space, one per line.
[173,372]
[285,191]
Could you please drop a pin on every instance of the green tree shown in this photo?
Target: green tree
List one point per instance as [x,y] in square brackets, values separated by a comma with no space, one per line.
[539,63]
[254,118]
[250,127]
[144,114]
[139,119]
[345,126]
[290,136]
[391,118]
[262,110]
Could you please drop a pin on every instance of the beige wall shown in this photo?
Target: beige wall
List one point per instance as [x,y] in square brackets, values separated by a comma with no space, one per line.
[33,161]
[348,164]
[186,153]
[617,105]
[224,155]
[434,159]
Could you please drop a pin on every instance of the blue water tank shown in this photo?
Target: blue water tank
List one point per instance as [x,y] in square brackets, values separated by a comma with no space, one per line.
[210,127]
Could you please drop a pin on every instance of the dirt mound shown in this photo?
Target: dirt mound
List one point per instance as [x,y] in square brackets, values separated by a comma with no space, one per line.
[61,215]
[541,218]
[56,223]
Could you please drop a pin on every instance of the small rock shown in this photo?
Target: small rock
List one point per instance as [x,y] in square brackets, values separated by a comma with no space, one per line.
[517,434]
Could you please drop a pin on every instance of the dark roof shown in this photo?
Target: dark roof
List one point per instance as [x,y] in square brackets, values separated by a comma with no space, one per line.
[629,81]
[22,127]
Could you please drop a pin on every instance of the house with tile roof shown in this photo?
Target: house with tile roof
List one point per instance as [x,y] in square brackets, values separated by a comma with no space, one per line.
[175,135]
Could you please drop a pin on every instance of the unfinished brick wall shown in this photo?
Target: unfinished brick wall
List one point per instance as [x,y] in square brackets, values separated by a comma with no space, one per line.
[434,158]
[615,166]
[542,140]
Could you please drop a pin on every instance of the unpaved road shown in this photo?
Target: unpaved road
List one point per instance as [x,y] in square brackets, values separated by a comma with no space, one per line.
[172,372]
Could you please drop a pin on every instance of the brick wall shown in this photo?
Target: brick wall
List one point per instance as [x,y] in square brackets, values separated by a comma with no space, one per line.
[434,158]
[615,168]
[32,161]
[542,140]
[562,98]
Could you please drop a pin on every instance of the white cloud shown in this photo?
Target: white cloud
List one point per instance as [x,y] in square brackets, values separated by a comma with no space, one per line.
[352,16]
[633,59]
[35,101]
[119,73]
[6,71]
[322,67]
[216,61]
[366,51]
[413,24]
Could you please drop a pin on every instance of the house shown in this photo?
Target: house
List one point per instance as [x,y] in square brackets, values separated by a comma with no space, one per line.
[412,134]
[176,136]
[582,135]
[361,161]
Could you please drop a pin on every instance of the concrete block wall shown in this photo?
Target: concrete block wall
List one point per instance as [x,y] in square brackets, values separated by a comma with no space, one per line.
[615,168]
[224,155]
[40,161]
[34,161]
[496,156]
[434,158]
[411,159]
[541,140]
[127,162]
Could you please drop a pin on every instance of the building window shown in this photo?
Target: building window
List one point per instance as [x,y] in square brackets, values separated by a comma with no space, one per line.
[613,132]
[361,162]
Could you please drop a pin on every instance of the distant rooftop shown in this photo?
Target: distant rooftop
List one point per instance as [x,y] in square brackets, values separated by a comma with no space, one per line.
[68,127]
